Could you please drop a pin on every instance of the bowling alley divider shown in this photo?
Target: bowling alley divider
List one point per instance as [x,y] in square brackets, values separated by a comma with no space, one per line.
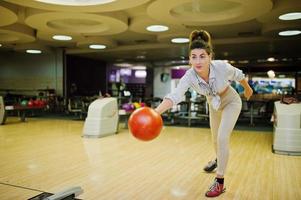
[67,194]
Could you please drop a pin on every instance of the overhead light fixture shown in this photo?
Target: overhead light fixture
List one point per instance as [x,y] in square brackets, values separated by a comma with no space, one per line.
[76,2]
[271,59]
[179,40]
[0,45]
[33,51]
[62,37]
[290,16]
[97,46]
[157,28]
[289,33]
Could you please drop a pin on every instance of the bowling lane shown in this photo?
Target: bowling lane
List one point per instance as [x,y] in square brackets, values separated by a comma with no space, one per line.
[10,192]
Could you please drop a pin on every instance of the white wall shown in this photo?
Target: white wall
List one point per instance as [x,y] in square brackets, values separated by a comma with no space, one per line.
[29,72]
[161,89]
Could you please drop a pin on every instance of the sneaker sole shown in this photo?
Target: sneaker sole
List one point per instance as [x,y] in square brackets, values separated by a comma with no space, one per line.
[224,190]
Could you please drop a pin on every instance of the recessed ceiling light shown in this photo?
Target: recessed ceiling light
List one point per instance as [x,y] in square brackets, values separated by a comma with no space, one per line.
[271,59]
[62,37]
[179,40]
[33,51]
[97,46]
[0,45]
[157,28]
[289,32]
[290,16]
[76,2]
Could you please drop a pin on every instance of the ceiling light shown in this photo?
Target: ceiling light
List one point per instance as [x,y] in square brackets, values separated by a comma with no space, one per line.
[0,45]
[76,2]
[271,59]
[290,16]
[62,37]
[289,33]
[97,46]
[157,28]
[179,40]
[33,51]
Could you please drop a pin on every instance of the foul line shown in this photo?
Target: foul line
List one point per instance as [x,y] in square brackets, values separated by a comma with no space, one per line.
[17,186]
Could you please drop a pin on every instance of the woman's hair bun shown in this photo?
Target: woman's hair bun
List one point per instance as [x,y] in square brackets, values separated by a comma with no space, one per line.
[200,35]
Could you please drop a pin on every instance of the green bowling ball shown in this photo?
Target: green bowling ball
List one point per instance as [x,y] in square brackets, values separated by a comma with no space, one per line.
[24,103]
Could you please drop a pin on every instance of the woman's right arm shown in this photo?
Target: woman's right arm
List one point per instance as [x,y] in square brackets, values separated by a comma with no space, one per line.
[175,97]
[164,105]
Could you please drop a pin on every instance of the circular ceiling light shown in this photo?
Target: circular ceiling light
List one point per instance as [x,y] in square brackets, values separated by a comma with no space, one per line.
[97,46]
[33,51]
[290,16]
[0,45]
[62,37]
[157,28]
[76,2]
[289,32]
[179,40]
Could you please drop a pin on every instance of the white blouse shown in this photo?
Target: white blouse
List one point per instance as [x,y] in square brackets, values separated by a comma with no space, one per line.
[220,74]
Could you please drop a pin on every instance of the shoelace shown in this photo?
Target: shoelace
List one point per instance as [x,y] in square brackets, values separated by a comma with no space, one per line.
[213,186]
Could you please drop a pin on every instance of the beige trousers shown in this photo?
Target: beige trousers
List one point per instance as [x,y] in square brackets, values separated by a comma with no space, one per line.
[222,123]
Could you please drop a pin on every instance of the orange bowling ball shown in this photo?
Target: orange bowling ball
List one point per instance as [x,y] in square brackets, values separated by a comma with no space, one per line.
[145,123]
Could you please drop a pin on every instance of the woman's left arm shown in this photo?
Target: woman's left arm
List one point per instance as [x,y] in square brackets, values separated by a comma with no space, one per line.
[236,74]
[247,89]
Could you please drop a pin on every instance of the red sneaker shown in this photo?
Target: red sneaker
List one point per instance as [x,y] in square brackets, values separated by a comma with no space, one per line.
[215,190]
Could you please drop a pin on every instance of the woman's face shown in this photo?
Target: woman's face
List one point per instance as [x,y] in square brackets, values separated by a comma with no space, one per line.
[199,60]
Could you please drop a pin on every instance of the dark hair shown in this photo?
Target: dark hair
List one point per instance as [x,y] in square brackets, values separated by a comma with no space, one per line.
[200,40]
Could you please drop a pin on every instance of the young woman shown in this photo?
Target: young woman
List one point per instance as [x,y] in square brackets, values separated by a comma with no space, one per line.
[211,78]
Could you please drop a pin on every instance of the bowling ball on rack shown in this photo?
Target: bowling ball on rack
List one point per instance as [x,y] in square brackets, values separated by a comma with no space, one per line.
[24,102]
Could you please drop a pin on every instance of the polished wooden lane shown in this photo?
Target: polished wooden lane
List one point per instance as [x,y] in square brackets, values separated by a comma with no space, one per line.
[50,155]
